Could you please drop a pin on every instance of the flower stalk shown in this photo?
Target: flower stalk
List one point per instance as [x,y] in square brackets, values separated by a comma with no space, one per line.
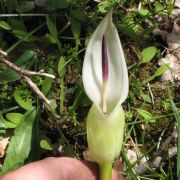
[105,171]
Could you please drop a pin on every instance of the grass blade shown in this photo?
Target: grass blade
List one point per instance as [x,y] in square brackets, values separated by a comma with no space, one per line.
[177,117]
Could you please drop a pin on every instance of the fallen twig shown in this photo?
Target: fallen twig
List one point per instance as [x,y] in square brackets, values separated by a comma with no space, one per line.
[3,53]
[36,90]
[25,73]
[18,15]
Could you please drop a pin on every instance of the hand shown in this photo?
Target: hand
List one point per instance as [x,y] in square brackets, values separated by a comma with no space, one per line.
[63,168]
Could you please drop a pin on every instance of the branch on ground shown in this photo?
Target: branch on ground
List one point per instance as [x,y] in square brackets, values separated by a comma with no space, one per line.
[24,74]
[23,71]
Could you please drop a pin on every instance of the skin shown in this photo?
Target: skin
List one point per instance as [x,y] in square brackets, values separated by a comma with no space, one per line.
[63,168]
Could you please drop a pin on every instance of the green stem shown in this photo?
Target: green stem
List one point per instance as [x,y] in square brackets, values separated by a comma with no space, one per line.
[105,171]
[62,95]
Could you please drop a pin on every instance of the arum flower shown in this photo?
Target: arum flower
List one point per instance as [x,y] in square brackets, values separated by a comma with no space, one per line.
[105,81]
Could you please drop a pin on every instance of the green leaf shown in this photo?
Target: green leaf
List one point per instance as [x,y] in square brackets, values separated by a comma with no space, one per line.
[17,23]
[27,57]
[105,6]
[20,34]
[14,117]
[158,6]
[5,124]
[51,27]
[78,14]
[148,54]
[170,6]
[47,84]
[61,72]
[61,67]
[158,72]
[10,125]
[5,25]
[143,12]
[128,31]
[53,104]
[35,153]
[76,28]
[53,30]
[20,144]
[146,115]
[26,60]
[50,39]
[23,99]
[9,75]
[146,98]
[129,27]
[46,145]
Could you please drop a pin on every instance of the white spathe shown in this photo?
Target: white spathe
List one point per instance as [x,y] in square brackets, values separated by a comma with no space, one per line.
[92,67]
[105,131]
